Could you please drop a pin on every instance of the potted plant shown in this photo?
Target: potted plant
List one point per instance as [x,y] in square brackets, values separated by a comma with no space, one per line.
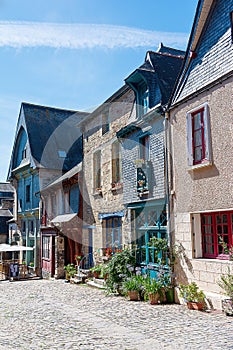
[120,267]
[78,258]
[226,283]
[153,289]
[165,277]
[70,271]
[96,270]
[161,247]
[194,298]
[108,252]
[132,286]
[227,251]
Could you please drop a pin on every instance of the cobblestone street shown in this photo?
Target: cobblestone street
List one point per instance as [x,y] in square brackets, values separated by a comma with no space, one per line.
[49,314]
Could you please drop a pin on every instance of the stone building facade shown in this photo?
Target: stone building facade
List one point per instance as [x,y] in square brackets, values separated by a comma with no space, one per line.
[102,191]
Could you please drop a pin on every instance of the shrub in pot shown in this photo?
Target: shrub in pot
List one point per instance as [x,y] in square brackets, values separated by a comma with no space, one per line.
[96,270]
[70,271]
[194,298]
[154,290]
[119,268]
[132,286]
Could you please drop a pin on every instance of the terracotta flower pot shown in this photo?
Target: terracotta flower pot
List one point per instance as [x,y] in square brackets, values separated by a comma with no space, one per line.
[154,298]
[96,274]
[195,306]
[133,295]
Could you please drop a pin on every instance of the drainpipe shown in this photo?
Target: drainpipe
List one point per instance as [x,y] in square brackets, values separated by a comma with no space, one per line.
[167,178]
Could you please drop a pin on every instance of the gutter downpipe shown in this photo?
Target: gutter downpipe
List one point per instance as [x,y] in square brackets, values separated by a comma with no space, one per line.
[167,187]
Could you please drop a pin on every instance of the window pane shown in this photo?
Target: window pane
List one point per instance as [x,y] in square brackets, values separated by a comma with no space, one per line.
[197,121]
[198,138]
[224,218]
[198,154]
[217,235]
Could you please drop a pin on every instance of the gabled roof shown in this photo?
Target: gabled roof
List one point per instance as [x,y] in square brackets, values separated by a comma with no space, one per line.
[49,130]
[170,51]
[209,55]
[68,175]
[160,71]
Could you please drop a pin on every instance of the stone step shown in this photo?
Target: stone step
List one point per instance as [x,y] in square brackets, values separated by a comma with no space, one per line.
[97,283]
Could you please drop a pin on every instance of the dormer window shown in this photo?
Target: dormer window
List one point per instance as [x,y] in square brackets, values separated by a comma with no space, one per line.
[28,193]
[143,99]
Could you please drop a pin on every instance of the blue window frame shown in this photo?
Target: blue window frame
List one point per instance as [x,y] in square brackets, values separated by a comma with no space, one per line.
[113,232]
[143,99]
[147,223]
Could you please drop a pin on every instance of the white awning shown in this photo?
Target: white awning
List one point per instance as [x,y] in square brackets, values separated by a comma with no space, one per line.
[13,248]
[63,218]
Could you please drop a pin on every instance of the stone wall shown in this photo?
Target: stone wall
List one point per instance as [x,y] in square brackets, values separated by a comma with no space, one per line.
[109,201]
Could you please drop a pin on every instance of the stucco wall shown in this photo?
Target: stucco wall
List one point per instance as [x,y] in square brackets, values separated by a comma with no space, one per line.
[204,189]
[211,187]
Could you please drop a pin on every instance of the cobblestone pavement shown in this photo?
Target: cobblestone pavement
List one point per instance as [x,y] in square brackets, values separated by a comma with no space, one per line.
[49,314]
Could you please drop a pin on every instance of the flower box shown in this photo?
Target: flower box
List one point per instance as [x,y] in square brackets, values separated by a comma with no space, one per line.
[223,257]
[117,186]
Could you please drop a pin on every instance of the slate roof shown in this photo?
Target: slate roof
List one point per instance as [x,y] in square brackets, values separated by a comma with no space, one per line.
[68,175]
[170,50]
[5,213]
[160,70]
[6,187]
[49,130]
[211,41]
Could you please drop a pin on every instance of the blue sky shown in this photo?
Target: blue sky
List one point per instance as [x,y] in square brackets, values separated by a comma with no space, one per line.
[74,54]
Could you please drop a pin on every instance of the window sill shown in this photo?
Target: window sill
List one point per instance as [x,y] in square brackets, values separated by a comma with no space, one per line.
[205,164]
[97,192]
[117,186]
[214,260]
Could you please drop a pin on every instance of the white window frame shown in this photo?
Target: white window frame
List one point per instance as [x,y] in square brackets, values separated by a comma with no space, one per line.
[207,137]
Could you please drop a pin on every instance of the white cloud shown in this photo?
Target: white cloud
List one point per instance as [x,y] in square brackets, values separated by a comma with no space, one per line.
[79,36]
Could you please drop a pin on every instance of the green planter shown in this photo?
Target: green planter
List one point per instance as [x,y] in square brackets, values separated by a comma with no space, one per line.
[170,296]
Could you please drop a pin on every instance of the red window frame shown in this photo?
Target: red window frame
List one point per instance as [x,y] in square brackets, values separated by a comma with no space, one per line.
[213,226]
[200,129]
